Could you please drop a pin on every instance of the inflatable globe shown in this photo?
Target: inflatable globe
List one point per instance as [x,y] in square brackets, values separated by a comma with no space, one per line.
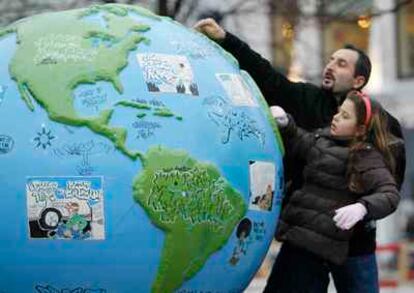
[135,156]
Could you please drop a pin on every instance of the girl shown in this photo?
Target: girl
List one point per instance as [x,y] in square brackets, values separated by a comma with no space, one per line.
[348,184]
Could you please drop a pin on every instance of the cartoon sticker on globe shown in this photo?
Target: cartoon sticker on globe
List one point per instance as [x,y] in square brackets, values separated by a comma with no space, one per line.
[68,208]
[168,73]
[243,240]
[236,89]
[262,185]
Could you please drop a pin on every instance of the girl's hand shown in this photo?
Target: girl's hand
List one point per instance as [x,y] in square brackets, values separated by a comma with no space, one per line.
[346,217]
[280,116]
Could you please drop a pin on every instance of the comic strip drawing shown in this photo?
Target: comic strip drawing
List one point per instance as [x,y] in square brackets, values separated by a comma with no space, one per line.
[44,138]
[65,208]
[168,73]
[232,120]
[83,151]
[236,89]
[243,240]
[3,89]
[262,185]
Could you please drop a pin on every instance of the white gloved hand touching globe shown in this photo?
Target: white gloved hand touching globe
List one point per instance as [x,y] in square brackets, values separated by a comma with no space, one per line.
[280,116]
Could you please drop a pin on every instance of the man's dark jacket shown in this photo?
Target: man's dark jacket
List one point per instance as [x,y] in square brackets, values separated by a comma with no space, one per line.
[312,107]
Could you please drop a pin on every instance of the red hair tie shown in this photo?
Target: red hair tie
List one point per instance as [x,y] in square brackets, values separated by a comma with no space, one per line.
[367,101]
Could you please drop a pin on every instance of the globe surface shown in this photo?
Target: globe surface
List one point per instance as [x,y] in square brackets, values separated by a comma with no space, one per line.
[135,156]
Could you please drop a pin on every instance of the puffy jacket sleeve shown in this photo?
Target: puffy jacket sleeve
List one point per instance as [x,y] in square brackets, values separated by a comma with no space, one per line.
[297,141]
[382,196]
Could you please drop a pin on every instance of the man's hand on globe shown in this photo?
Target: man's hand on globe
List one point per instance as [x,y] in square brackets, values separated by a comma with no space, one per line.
[211,29]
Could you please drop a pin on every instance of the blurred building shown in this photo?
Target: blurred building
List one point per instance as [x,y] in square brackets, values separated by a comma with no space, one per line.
[392,52]
[305,33]
[309,31]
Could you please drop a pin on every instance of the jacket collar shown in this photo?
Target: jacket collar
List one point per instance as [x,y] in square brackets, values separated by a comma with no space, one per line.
[330,95]
[341,140]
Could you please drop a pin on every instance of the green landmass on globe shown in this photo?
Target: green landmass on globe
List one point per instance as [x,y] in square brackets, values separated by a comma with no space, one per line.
[72,60]
[195,206]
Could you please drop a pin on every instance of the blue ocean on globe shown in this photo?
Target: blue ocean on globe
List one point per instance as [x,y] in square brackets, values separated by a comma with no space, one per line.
[135,156]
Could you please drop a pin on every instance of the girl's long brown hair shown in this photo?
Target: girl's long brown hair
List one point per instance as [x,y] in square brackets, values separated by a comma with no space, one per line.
[377,133]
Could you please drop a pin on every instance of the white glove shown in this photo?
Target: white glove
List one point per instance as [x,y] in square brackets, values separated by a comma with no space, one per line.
[346,217]
[280,116]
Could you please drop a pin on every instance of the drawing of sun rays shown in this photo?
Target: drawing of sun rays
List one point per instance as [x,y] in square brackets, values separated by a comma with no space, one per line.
[44,138]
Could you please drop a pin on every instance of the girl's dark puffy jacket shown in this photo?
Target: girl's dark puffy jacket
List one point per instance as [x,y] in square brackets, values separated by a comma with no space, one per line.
[307,219]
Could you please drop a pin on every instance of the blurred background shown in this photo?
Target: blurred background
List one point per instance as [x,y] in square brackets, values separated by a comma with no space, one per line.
[298,36]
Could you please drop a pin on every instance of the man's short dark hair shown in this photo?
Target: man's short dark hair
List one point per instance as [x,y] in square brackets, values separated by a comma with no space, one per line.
[363,64]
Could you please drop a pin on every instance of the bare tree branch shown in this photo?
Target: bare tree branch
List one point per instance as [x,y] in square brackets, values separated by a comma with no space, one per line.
[163,7]
[344,15]
[177,7]
[192,7]
[183,9]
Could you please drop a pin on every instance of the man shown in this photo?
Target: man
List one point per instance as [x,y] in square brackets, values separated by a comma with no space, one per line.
[313,107]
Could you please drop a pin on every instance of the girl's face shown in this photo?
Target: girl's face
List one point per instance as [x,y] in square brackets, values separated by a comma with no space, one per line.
[344,123]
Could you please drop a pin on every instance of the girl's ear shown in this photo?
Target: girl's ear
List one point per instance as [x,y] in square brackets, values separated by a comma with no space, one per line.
[361,130]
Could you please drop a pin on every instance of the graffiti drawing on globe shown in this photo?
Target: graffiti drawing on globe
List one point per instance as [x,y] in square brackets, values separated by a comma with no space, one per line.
[135,157]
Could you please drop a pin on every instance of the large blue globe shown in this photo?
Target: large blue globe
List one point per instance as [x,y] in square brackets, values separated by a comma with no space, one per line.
[135,156]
